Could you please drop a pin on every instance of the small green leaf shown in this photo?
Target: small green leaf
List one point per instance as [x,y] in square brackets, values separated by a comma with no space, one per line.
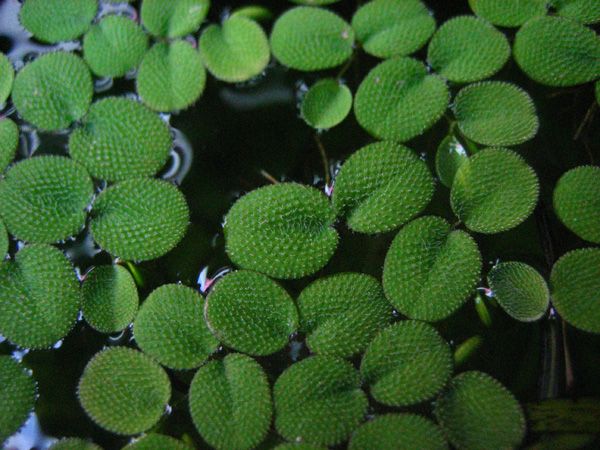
[477,412]
[381,187]
[120,138]
[577,202]
[17,396]
[53,91]
[466,49]
[238,50]
[584,11]
[494,191]
[114,46]
[315,2]
[9,141]
[251,313]
[341,314]
[307,38]
[387,28]
[319,401]
[230,402]
[283,230]
[123,390]
[496,113]
[173,18]
[57,20]
[258,13]
[171,76]
[557,51]
[508,13]
[170,327]
[397,431]
[520,290]
[109,298]
[153,441]
[465,350]
[299,446]
[407,363]
[7,75]
[326,104]
[450,155]
[430,270]
[39,297]
[50,190]
[74,444]
[575,286]
[399,100]
[139,219]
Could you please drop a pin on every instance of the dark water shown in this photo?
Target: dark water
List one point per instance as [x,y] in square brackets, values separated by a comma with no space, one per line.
[233,135]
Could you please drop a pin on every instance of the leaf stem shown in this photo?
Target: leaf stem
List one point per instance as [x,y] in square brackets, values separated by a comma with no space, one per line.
[324,158]
[268,176]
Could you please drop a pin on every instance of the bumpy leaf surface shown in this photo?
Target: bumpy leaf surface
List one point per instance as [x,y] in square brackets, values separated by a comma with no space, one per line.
[508,13]
[326,104]
[153,441]
[7,76]
[584,11]
[17,396]
[9,140]
[173,18]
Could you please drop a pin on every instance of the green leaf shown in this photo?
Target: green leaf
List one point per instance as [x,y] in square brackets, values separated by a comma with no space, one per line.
[387,28]
[341,314]
[520,290]
[508,13]
[114,46]
[53,91]
[382,186]
[466,49]
[9,141]
[576,201]
[7,75]
[477,412]
[299,446]
[123,390]
[258,13]
[39,297]
[326,104]
[398,100]
[170,327]
[557,51]
[496,113]
[251,313]
[430,270]
[315,2]
[139,219]
[57,20]
[174,18]
[307,38]
[17,396]
[171,76]
[4,241]
[109,298]
[584,11]
[283,230]
[397,431]
[319,401]
[238,50]
[153,441]
[74,444]
[230,402]
[50,190]
[450,155]
[494,191]
[407,363]
[120,138]
[575,284]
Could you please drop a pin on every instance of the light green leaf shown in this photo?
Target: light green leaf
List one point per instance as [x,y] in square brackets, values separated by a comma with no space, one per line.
[326,104]
[251,313]
[319,401]
[74,444]
[4,242]
[407,363]
[387,28]
[382,186]
[430,270]
[307,38]
[153,441]
[9,141]
[7,76]
[17,396]
[238,50]
[173,18]
[50,190]
[230,402]
[398,100]
[489,200]
[120,138]
[53,91]
[508,13]
[450,155]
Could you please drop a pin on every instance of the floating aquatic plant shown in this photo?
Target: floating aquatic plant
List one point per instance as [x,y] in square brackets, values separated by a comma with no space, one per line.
[326,104]
[74,444]
[9,140]
[154,441]
[17,396]
[7,76]
[175,18]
